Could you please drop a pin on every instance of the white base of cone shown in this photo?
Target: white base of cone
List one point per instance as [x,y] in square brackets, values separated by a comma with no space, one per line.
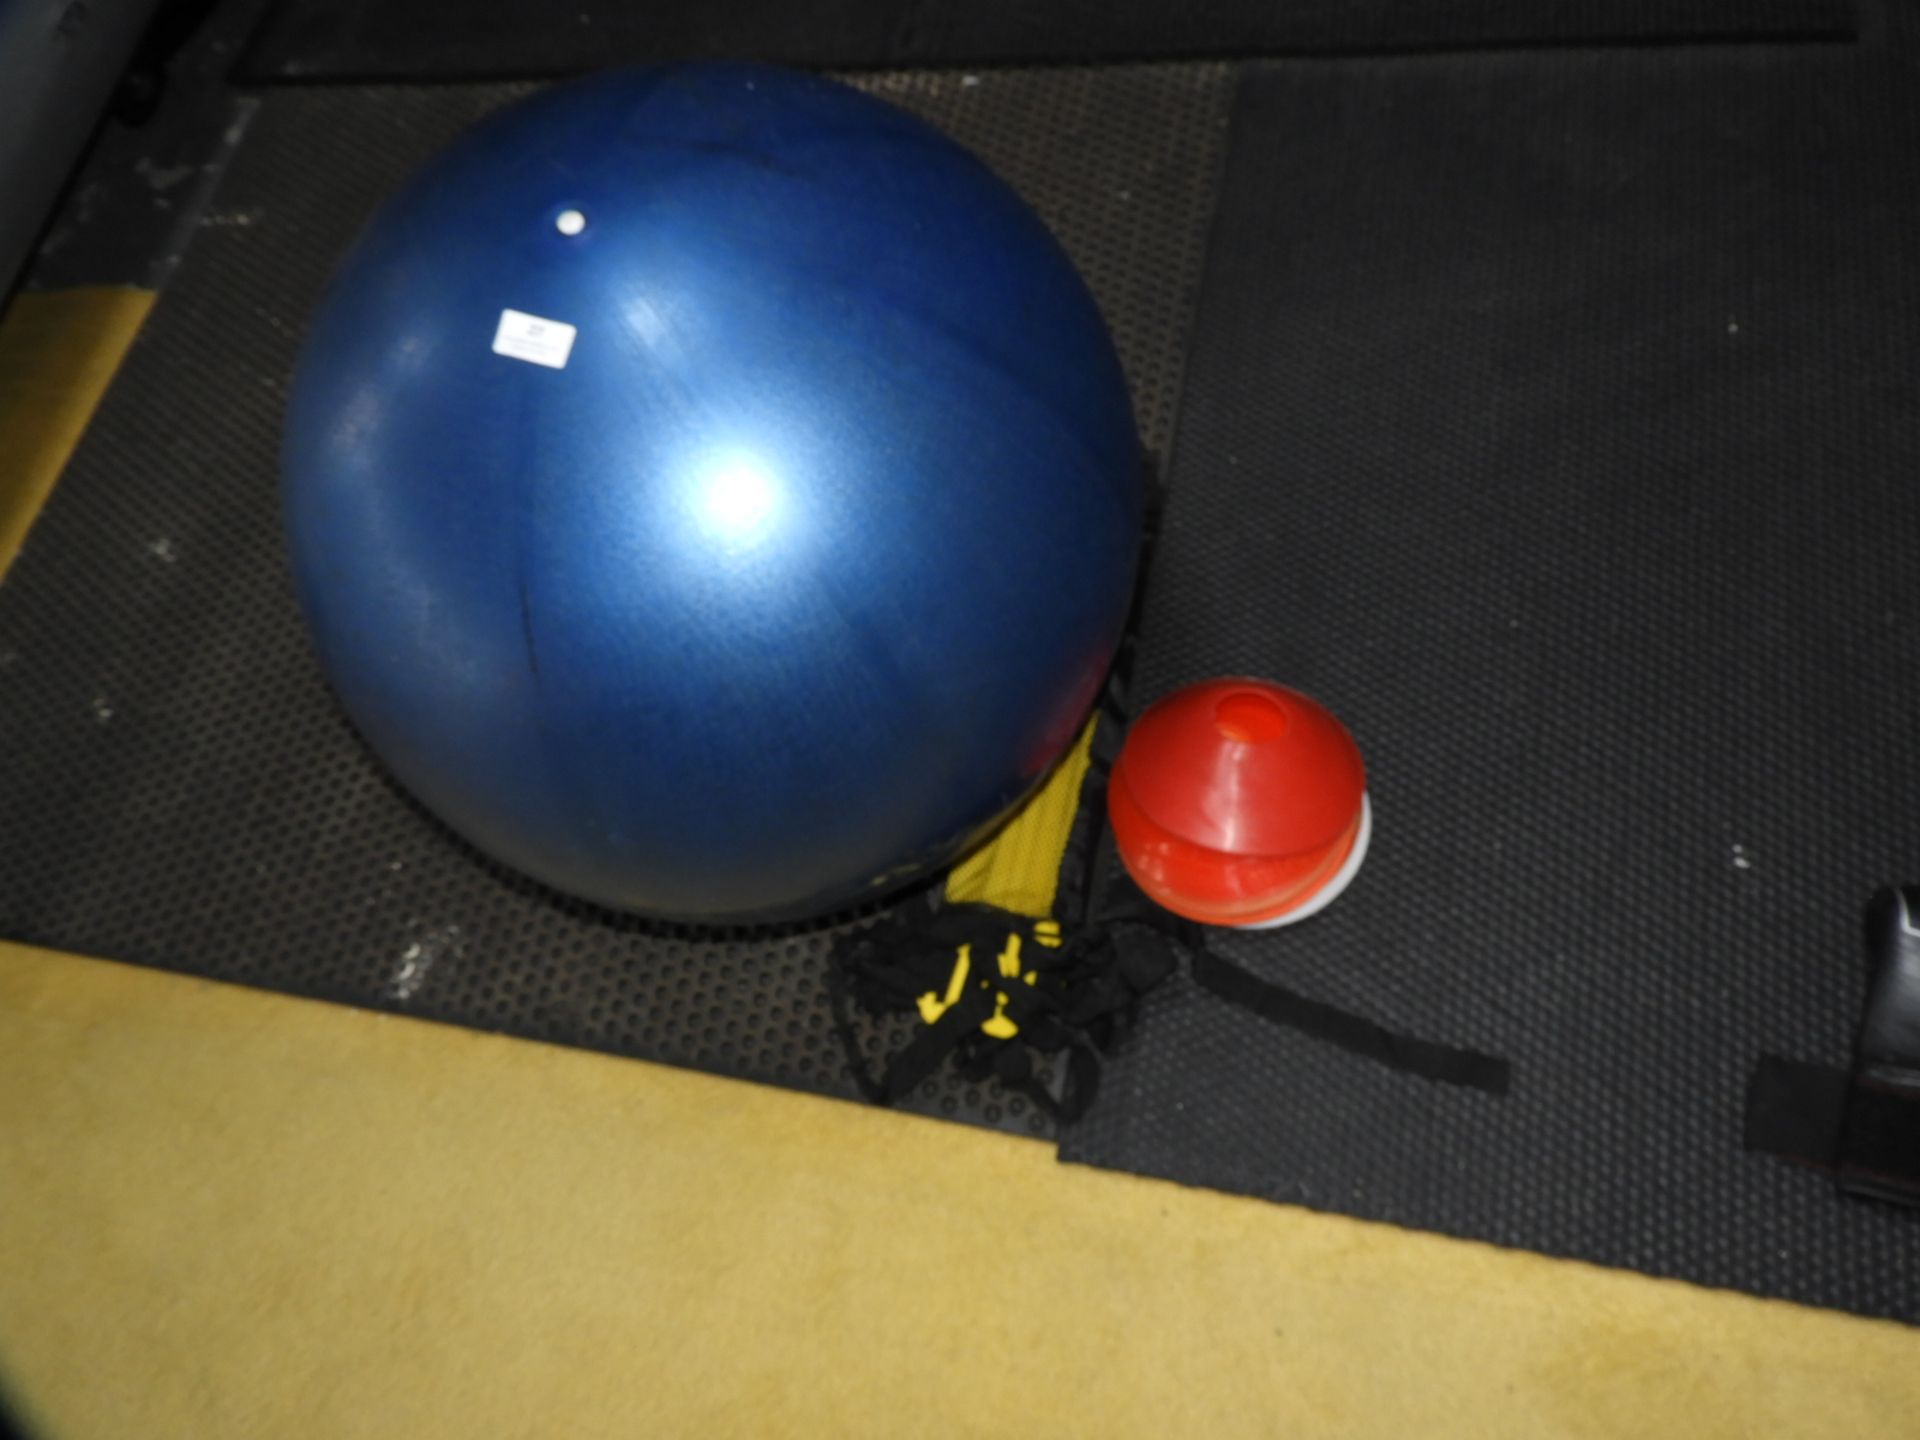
[1331,891]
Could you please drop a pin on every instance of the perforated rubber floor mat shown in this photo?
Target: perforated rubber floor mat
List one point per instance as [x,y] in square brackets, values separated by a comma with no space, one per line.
[179,789]
[1556,420]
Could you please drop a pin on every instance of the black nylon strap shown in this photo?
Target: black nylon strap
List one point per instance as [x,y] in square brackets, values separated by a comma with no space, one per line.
[1795,1110]
[840,1001]
[1879,1154]
[1081,998]
[1861,1125]
[1353,1033]
[935,1042]
[1013,1068]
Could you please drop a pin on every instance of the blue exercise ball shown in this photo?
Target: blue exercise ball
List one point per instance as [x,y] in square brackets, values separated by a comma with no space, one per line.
[712,492]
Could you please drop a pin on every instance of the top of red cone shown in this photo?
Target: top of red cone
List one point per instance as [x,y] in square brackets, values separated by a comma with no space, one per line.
[1244,767]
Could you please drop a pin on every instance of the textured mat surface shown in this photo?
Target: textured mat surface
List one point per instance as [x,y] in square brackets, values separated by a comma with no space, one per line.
[1555,419]
[412,39]
[179,788]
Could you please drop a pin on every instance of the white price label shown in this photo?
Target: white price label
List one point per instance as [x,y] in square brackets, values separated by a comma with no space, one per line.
[529,337]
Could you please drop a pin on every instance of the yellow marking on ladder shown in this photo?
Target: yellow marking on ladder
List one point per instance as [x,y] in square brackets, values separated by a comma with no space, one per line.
[932,1007]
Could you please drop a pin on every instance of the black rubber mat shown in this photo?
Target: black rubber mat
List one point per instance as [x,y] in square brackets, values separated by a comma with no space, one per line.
[418,39]
[178,788]
[134,202]
[1556,420]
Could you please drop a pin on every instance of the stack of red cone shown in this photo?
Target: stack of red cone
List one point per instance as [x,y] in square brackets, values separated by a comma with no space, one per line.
[1237,802]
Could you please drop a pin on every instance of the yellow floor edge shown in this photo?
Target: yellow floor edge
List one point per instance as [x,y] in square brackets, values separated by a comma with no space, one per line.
[58,352]
[227,1213]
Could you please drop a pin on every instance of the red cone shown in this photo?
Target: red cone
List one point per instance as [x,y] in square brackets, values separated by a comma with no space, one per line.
[1238,802]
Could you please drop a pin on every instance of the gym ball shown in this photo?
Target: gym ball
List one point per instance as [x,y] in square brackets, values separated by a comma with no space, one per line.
[712,492]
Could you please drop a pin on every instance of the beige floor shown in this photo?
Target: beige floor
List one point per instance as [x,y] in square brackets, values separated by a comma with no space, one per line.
[57,354]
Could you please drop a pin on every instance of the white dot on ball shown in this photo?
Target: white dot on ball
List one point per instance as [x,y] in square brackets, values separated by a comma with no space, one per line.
[569,222]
